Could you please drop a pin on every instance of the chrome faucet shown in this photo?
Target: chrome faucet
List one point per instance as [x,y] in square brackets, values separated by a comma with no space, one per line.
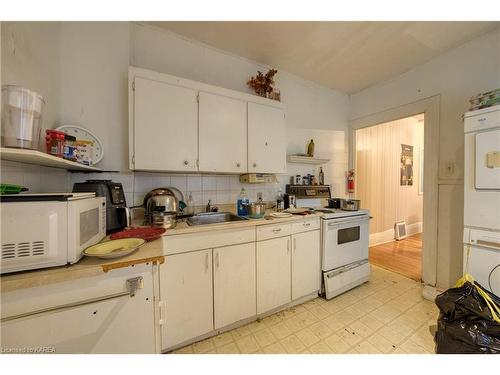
[210,208]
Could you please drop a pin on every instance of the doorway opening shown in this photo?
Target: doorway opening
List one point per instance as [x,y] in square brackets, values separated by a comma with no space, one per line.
[389,160]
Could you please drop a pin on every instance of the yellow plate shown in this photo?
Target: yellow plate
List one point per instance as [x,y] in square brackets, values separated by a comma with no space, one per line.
[114,248]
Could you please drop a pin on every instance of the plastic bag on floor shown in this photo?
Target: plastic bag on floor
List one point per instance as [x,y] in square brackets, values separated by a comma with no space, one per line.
[469,319]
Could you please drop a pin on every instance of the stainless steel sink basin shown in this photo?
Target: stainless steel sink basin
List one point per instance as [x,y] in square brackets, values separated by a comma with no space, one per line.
[213,218]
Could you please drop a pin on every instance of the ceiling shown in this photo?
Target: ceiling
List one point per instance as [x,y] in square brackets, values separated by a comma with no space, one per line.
[347,56]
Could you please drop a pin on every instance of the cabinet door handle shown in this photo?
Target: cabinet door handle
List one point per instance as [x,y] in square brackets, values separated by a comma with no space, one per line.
[254,165]
[238,165]
[206,262]
[217,260]
[307,224]
[186,162]
[288,246]
[294,244]
[132,286]
[161,305]
[277,230]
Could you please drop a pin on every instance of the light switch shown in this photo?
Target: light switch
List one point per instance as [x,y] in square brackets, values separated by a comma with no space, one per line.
[450,168]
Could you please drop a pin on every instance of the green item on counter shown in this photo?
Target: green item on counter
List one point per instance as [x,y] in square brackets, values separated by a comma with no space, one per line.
[182,205]
[310,149]
[11,189]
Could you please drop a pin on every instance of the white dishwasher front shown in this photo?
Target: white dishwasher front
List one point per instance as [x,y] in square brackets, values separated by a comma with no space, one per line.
[109,313]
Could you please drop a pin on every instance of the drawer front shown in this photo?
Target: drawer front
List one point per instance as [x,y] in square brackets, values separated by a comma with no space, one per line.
[183,243]
[305,225]
[266,232]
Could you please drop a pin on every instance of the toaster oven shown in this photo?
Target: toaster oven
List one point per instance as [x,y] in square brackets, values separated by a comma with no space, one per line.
[47,230]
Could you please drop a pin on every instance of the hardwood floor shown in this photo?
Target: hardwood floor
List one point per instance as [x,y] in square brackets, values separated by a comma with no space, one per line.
[403,257]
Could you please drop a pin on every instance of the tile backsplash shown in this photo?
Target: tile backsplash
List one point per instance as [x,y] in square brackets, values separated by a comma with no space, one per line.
[220,189]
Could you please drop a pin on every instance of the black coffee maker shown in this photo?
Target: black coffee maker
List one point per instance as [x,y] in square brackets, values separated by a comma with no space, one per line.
[116,206]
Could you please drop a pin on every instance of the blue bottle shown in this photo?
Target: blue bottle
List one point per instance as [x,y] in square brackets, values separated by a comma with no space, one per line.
[241,203]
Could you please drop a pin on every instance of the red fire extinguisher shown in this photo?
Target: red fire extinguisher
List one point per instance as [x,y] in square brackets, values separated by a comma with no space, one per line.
[350,181]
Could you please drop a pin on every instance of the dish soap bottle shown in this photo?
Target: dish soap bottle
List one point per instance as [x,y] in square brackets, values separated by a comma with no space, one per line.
[321,176]
[310,149]
[241,204]
[190,204]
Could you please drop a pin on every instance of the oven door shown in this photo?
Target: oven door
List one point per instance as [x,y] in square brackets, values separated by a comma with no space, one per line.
[344,241]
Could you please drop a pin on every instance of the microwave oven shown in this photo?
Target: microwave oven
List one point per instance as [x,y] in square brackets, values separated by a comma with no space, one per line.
[48,230]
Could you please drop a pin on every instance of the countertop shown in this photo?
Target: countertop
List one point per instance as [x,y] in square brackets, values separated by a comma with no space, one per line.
[149,252]
[85,267]
[183,228]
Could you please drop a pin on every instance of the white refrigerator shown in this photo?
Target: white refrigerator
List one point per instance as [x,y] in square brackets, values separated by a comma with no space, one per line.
[482,197]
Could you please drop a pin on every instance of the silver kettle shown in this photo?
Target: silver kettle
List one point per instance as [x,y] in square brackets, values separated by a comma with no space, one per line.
[161,207]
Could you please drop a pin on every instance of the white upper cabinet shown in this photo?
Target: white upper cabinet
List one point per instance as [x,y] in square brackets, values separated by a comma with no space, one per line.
[222,134]
[165,132]
[266,139]
[178,125]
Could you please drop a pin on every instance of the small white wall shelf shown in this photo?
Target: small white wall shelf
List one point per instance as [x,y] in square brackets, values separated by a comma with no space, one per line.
[298,159]
[40,158]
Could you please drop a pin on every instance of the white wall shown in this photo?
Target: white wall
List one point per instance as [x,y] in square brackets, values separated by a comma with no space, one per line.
[378,172]
[455,76]
[94,68]
[30,58]
[91,91]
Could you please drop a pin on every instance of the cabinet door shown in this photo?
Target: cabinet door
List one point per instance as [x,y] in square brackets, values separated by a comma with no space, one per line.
[273,273]
[165,126]
[266,139]
[222,134]
[305,263]
[186,289]
[234,283]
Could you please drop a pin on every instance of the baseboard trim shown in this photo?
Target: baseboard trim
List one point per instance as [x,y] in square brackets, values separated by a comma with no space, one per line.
[430,292]
[388,235]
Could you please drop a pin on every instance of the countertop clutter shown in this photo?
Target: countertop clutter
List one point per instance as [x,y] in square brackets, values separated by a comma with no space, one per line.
[150,252]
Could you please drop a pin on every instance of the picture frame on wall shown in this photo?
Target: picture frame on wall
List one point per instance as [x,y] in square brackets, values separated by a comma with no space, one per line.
[406,165]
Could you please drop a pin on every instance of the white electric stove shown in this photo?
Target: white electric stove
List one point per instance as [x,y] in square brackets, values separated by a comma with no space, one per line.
[344,250]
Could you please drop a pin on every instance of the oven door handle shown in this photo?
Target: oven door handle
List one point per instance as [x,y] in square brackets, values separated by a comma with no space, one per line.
[337,223]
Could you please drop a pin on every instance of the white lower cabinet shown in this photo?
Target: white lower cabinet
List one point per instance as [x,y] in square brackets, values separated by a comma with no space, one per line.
[234,283]
[186,290]
[288,267]
[306,273]
[88,315]
[273,273]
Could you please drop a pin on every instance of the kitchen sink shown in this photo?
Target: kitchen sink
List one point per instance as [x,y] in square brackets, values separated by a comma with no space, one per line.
[213,218]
